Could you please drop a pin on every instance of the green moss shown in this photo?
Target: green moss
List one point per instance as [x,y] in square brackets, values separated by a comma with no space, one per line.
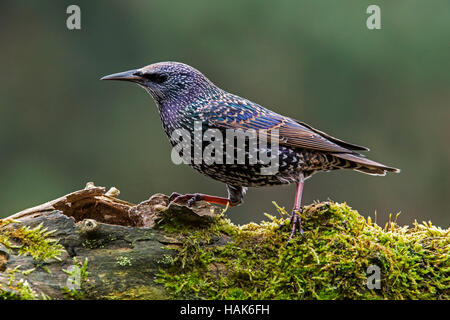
[331,262]
[36,242]
[94,243]
[30,241]
[18,290]
[138,293]
[123,261]
[77,273]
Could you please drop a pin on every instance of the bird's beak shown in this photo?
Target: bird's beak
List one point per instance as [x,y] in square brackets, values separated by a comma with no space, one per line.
[130,75]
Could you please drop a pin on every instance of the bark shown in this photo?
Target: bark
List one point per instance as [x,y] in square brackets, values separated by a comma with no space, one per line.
[112,249]
[122,242]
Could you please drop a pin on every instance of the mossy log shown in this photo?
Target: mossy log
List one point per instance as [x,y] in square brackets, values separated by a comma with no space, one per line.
[91,245]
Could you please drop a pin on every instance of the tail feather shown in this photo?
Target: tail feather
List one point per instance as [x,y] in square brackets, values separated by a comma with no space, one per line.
[361,164]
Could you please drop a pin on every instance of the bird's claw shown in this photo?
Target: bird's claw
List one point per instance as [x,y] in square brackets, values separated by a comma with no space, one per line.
[189,198]
[296,226]
[173,196]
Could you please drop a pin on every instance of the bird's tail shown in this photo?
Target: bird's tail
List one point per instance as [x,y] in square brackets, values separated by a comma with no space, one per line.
[359,163]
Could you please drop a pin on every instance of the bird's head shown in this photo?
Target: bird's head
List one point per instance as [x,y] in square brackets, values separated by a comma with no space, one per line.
[168,81]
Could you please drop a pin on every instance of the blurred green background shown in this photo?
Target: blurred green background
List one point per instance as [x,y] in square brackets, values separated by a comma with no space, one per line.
[315,61]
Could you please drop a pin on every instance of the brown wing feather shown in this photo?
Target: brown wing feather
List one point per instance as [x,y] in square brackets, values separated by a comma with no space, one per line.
[298,135]
[292,133]
[340,142]
[243,114]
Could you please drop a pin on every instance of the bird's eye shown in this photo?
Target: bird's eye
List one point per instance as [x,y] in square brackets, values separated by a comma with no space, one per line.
[156,77]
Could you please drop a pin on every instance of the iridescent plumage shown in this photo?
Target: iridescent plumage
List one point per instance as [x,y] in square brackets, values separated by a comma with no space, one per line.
[184,95]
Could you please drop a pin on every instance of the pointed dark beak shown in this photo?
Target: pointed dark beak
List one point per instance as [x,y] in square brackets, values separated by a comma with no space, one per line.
[130,75]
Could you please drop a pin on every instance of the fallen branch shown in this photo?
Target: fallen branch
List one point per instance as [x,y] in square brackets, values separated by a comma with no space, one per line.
[91,245]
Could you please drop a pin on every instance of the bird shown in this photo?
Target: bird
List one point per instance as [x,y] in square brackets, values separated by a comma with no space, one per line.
[184,95]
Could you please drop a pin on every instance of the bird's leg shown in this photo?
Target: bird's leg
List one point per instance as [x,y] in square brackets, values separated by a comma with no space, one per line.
[296,221]
[235,195]
[191,198]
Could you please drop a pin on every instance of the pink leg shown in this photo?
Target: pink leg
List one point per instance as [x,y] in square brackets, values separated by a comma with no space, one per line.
[296,222]
[299,193]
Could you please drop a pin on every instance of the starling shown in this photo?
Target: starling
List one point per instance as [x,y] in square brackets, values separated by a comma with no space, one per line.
[185,96]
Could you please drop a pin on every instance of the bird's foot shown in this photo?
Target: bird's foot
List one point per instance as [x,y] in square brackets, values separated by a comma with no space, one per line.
[190,198]
[296,226]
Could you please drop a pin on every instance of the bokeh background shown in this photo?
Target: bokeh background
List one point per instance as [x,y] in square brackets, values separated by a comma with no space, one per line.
[315,61]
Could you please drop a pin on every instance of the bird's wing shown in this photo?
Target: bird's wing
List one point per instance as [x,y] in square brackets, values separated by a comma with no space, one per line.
[244,114]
